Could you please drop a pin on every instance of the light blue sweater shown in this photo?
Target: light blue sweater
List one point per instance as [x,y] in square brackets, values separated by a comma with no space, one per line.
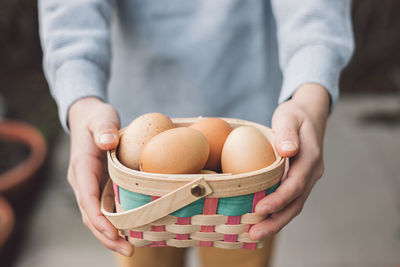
[232,58]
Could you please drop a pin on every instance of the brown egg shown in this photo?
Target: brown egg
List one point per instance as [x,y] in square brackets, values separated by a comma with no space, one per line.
[138,133]
[246,149]
[216,131]
[176,151]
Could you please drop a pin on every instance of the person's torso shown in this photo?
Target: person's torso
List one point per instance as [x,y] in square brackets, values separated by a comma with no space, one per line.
[192,58]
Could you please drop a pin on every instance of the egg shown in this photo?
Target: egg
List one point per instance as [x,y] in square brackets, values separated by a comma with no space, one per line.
[246,149]
[137,134]
[176,151]
[216,131]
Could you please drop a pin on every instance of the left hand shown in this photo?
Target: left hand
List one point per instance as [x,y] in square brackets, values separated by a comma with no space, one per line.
[299,127]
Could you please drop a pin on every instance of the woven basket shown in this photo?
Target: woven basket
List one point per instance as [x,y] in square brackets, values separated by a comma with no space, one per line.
[211,210]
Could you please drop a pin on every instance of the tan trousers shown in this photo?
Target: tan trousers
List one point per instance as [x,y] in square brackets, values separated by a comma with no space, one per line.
[209,257]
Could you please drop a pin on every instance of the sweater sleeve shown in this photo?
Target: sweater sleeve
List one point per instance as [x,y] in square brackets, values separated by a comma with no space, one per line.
[76,49]
[315,41]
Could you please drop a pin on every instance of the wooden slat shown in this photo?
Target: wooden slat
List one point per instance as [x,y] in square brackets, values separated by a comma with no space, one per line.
[251,218]
[207,236]
[182,229]
[169,219]
[231,229]
[157,236]
[209,219]
[182,243]
[228,245]
[137,242]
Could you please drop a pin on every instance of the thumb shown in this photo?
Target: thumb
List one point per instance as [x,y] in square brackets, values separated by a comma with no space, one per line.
[105,131]
[106,135]
[286,130]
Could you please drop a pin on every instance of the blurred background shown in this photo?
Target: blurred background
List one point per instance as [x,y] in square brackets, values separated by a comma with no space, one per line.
[351,219]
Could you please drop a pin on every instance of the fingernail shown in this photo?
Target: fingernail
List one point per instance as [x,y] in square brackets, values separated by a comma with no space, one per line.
[288,146]
[107,138]
[260,234]
[123,252]
[108,235]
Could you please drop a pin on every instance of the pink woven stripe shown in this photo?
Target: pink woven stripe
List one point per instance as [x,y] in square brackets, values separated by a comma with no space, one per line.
[250,246]
[136,234]
[257,197]
[210,207]
[182,221]
[116,193]
[207,228]
[157,228]
[232,220]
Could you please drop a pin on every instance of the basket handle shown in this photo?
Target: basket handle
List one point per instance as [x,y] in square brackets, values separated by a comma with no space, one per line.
[154,210]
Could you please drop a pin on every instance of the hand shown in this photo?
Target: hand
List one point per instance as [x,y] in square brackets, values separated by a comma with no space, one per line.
[94,128]
[299,126]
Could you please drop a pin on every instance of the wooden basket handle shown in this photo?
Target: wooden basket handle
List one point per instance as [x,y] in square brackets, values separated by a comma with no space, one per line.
[154,210]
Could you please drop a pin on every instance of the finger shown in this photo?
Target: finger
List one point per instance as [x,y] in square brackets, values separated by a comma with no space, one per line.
[286,128]
[105,134]
[104,127]
[91,206]
[100,119]
[119,245]
[88,195]
[298,176]
[291,188]
[277,221]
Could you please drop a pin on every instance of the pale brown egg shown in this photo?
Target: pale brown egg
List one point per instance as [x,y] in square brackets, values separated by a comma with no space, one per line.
[246,149]
[175,151]
[216,131]
[137,134]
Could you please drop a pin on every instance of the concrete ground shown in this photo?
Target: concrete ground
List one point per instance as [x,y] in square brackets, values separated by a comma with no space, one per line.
[352,217]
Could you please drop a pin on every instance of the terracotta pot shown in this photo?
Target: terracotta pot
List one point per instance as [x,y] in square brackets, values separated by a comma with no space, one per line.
[26,134]
[7,221]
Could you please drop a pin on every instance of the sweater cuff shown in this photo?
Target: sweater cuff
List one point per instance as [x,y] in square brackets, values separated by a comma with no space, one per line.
[312,64]
[76,79]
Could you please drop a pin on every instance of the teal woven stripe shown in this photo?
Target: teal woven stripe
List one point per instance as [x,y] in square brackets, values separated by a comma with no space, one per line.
[234,206]
[131,200]
[191,209]
[228,206]
[272,189]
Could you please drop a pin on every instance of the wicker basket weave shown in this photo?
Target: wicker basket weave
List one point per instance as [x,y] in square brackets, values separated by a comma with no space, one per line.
[153,224]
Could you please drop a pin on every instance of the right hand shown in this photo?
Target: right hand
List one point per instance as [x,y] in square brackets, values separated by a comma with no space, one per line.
[94,129]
